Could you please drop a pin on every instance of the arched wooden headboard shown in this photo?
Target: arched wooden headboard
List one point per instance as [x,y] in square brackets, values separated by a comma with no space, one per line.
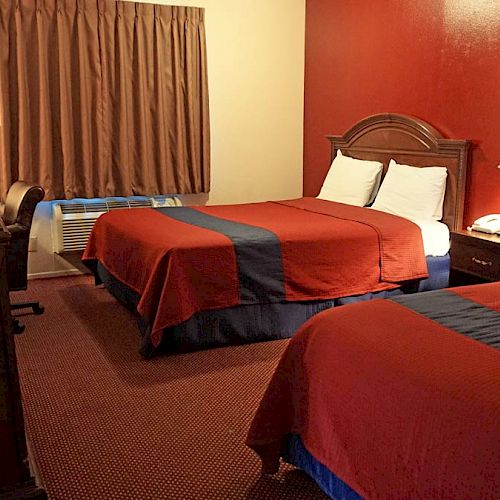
[411,141]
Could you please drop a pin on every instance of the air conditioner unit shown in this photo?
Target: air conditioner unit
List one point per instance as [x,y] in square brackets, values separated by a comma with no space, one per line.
[73,220]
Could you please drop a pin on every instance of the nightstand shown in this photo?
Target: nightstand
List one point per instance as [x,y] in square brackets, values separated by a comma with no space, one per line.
[475,257]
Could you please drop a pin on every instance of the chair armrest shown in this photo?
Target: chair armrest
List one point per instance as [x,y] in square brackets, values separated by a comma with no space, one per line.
[17,231]
[5,234]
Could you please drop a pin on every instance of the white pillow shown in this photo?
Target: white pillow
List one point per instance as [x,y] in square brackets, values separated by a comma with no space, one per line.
[412,192]
[351,181]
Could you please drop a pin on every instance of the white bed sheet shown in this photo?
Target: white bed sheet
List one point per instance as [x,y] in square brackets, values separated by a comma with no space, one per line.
[435,236]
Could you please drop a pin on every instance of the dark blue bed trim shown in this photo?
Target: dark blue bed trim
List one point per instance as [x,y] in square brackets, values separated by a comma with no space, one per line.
[219,327]
[252,322]
[294,452]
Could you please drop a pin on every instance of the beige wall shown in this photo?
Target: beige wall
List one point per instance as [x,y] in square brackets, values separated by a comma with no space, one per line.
[256,87]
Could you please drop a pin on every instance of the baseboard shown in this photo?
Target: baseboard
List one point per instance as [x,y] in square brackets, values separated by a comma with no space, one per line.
[55,274]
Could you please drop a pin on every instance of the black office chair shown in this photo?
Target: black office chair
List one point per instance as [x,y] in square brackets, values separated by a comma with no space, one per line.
[20,203]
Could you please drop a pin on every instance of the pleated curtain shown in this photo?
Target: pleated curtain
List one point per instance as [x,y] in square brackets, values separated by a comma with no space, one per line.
[102,98]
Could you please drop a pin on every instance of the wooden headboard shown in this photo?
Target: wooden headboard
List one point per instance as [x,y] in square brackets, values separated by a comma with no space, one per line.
[410,141]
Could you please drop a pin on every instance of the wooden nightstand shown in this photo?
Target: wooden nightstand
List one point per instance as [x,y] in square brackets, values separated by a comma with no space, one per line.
[475,257]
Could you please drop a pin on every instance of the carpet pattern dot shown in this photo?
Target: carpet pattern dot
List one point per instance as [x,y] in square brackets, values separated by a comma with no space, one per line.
[104,423]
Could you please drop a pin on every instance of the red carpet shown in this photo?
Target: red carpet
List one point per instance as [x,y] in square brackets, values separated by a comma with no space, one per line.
[104,423]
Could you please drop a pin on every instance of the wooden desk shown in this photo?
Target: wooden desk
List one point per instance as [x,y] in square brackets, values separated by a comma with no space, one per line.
[15,476]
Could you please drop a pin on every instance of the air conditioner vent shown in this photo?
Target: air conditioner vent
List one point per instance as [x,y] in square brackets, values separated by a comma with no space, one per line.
[72,208]
[72,221]
[95,207]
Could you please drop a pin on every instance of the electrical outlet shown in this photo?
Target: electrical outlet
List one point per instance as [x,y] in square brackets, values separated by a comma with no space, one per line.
[32,247]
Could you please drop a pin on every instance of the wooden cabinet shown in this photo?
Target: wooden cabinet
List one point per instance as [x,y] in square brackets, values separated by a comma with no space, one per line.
[15,476]
[475,257]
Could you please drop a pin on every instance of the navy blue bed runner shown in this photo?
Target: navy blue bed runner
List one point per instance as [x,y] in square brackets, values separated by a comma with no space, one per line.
[458,313]
[258,254]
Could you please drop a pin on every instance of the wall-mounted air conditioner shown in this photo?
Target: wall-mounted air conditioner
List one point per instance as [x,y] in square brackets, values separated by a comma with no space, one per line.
[73,220]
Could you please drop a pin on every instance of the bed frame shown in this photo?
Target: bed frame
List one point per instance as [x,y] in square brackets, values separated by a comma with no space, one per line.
[410,141]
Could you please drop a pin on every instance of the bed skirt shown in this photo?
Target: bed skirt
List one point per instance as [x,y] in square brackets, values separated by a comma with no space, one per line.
[294,452]
[255,322]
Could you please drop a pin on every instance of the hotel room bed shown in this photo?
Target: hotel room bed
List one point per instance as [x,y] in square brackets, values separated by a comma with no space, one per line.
[393,398]
[203,276]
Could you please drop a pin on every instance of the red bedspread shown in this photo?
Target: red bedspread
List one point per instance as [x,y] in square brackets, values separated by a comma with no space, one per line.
[328,250]
[394,403]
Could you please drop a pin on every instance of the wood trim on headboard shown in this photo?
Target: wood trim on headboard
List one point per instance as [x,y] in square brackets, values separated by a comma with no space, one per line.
[411,141]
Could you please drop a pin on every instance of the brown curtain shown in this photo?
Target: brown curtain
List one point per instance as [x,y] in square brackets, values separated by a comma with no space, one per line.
[101,98]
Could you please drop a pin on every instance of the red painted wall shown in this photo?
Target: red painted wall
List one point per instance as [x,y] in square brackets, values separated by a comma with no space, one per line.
[438,60]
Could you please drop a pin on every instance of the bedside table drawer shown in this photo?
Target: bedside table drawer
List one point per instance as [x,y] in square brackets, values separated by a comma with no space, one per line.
[484,262]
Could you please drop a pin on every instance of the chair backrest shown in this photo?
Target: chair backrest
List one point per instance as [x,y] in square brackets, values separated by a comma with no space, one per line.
[20,203]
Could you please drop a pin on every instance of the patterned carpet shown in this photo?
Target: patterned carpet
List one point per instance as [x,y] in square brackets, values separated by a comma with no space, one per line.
[103,423]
